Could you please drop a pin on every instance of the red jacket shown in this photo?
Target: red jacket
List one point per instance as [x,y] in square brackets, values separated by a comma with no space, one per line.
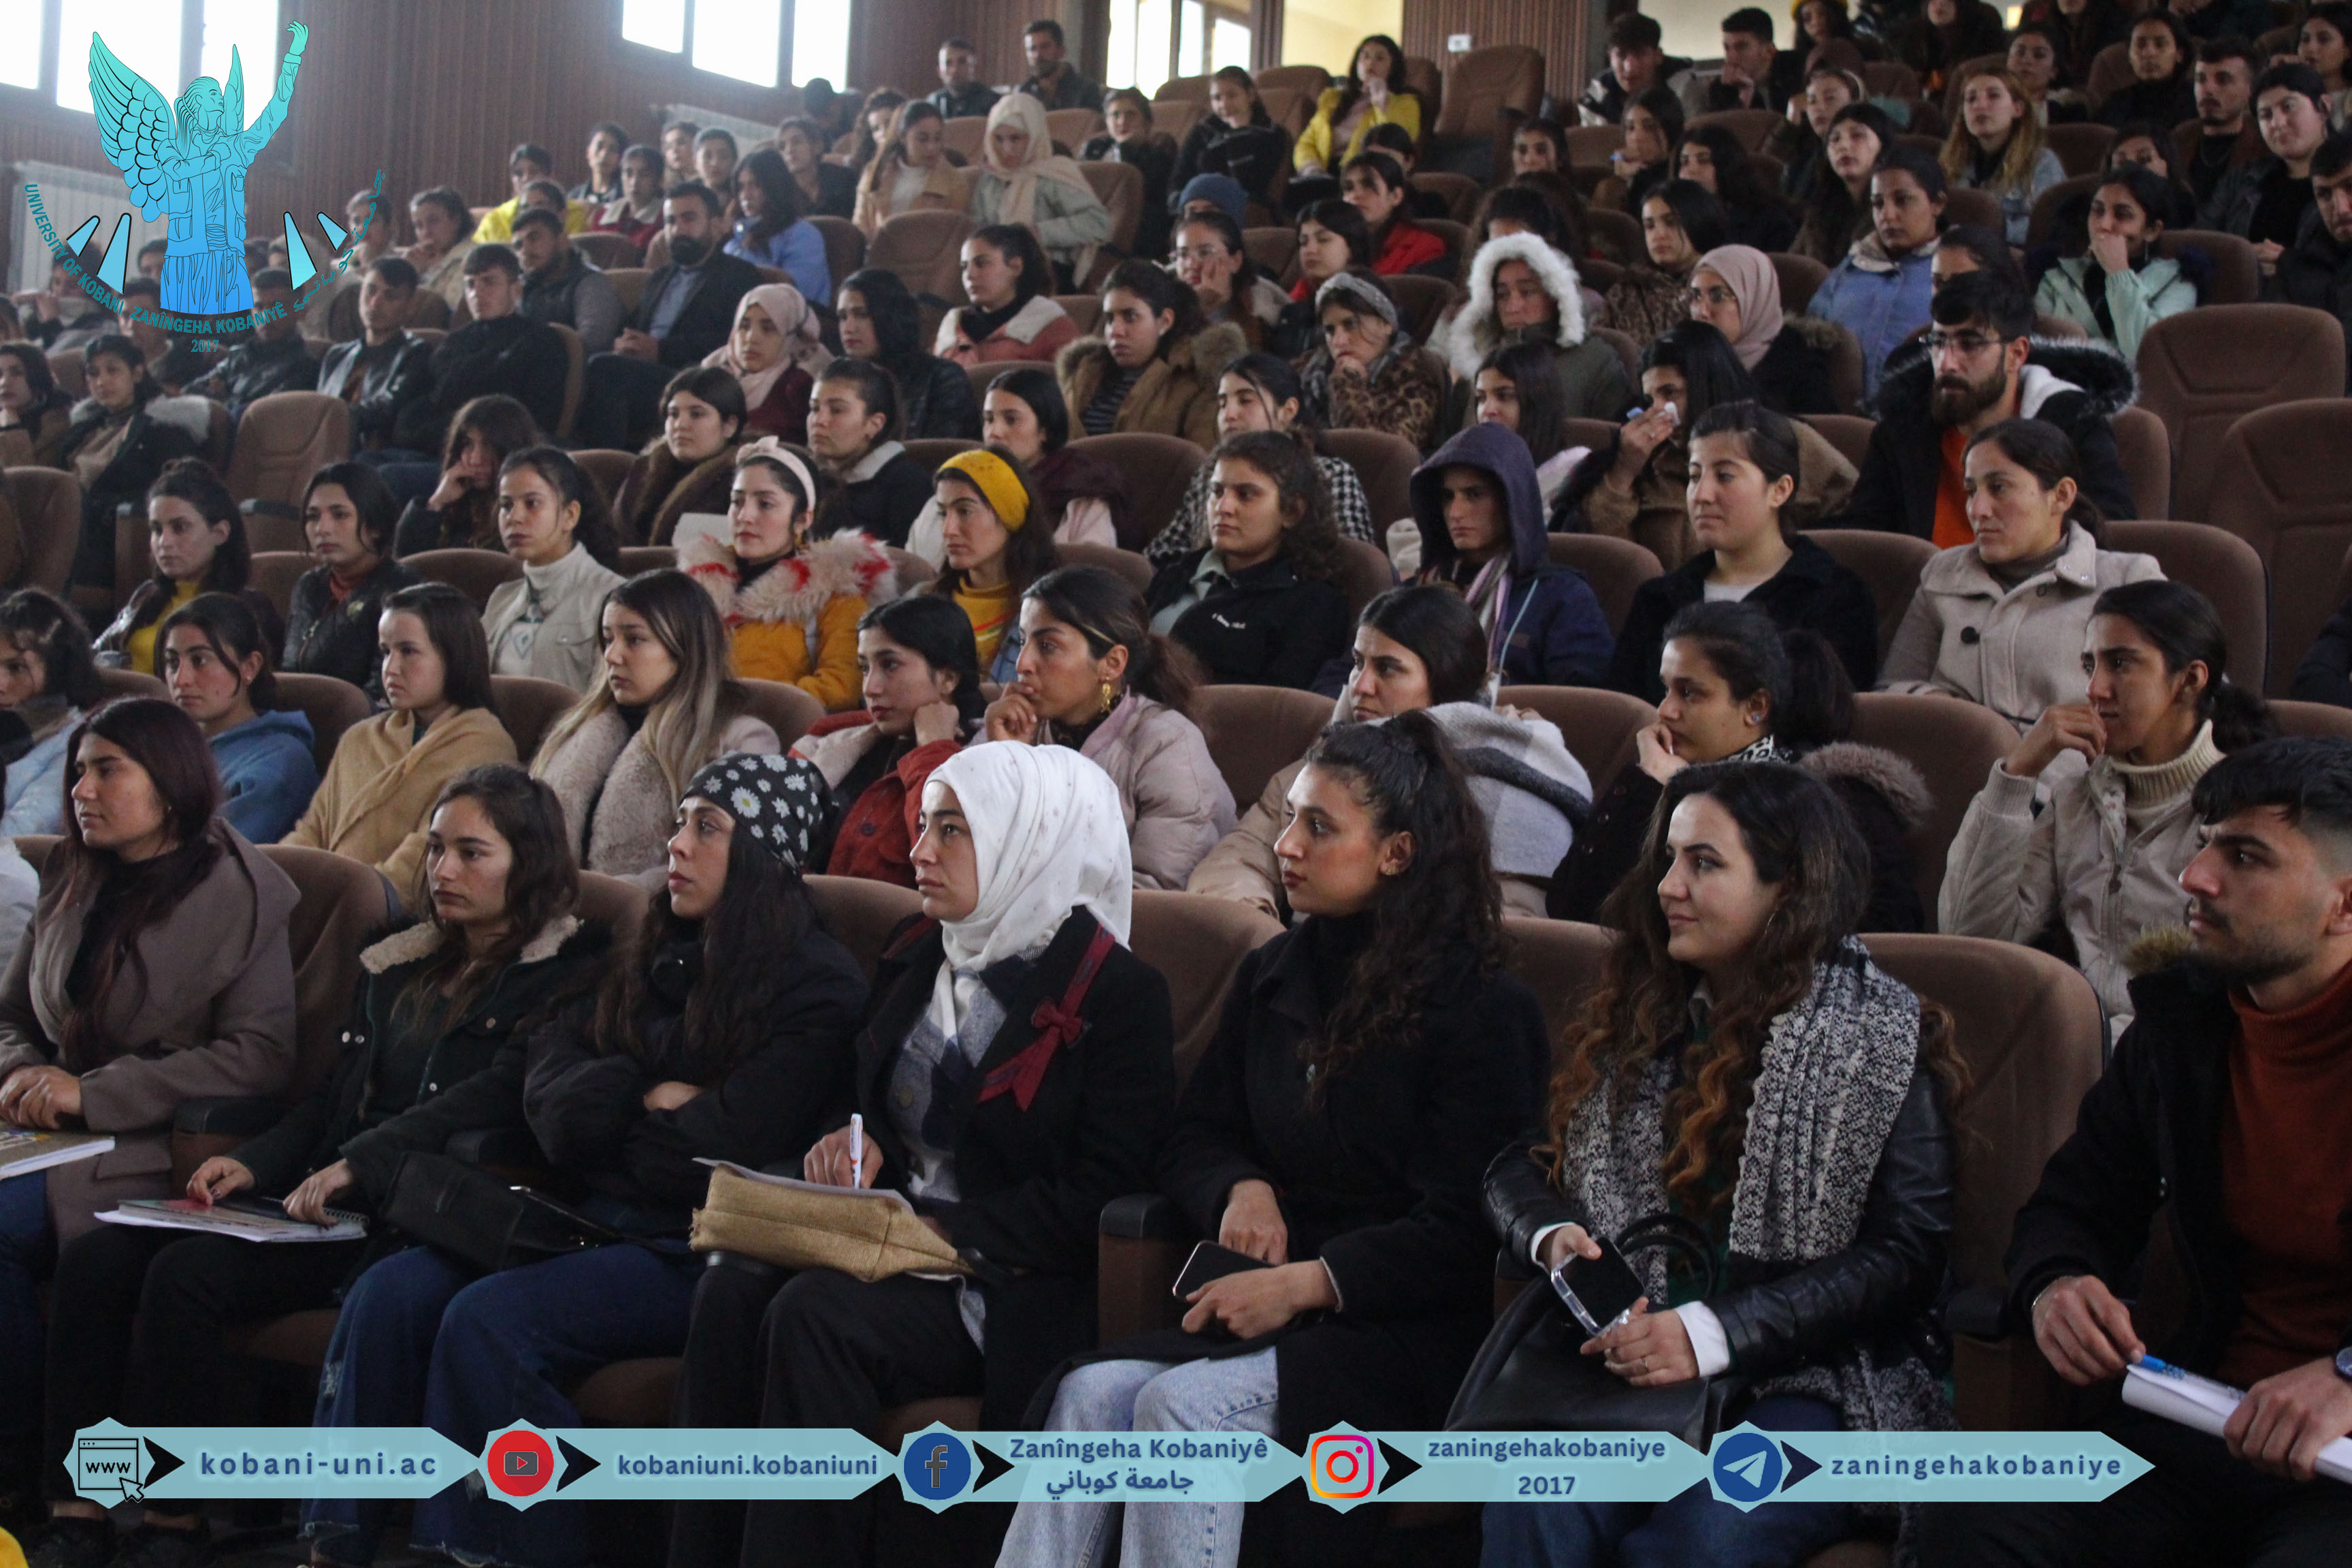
[878,832]
[1409,248]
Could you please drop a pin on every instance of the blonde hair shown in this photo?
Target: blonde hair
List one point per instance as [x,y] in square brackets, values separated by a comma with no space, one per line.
[683,725]
[2025,137]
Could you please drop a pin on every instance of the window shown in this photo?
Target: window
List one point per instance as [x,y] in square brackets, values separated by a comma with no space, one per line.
[743,39]
[1153,40]
[657,23]
[168,42]
[821,41]
[143,35]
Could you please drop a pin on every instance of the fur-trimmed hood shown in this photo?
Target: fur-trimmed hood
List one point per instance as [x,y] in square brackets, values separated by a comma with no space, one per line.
[424,939]
[797,588]
[2094,370]
[1813,331]
[1201,356]
[1902,785]
[1472,334]
[193,416]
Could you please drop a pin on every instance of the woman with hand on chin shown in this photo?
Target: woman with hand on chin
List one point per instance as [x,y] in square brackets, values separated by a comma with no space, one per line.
[1820,1179]
[462,512]
[551,517]
[1008,1137]
[1370,1062]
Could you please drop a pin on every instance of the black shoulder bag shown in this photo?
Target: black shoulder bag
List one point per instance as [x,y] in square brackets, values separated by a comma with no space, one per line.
[483,1221]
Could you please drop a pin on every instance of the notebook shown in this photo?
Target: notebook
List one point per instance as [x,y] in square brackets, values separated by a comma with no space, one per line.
[2202,1404]
[248,1219]
[24,1150]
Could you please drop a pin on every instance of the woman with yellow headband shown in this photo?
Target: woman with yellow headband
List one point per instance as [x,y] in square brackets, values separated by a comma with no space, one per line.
[987,503]
[791,604]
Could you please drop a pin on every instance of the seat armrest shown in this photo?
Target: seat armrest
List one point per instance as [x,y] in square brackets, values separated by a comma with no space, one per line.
[1975,1310]
[1144,1216]
[496,1146]
[229,1116]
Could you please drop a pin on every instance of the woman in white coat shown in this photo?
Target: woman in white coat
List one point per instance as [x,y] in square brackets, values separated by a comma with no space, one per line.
[551,517]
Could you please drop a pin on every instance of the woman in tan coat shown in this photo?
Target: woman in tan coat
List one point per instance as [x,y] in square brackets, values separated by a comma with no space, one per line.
[1154,368]
[378,794]
[911,173]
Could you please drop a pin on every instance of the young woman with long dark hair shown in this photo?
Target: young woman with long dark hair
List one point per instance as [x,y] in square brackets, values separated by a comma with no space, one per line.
[48,682]
[857,433]
[196,541]
[35,412]
[349,521]
[462,512]
[689,466]
[551,517]
[1154,366]
[880,322]
[1332,238]
[1517,387]
[217,663]
[911,173]
[123,437]
[1013,315]
[1716,161]
[773,229]
[1262,392]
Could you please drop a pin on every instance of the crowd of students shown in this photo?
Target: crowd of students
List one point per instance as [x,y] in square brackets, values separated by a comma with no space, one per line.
[1011,729]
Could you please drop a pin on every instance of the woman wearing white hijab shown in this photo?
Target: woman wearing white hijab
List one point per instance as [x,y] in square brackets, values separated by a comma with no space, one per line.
[1023,180]
[774,350]
[1015,1073]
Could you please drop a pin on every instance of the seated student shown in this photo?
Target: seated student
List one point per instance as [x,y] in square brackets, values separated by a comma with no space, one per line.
[725,1034]
[376,800]
[986,504]
[1236,138]
[1801,144]
[606,141]
[386,367]
[1020,180]
[560,286]
[774,352]
[1079,495]
[1012,314]
[216,664]
[1744,465]
[156,970]
[1879,291]
[1373,93]
[1394,140]
[1824,1177]
[715,157]
[873,126]
[827,188]
[34,411]
[2265,201]
[690,467]
[773,229]
[1332,239]
[444,226]
[1522,290]
[331,620]
[872,486]
[1517,388]
[1366,373]
[2144,144]
[195,540]
[1374,184]
[1653,121]
[1716,161]
[1214,260]
[666,701]
[961,94]
[1093,677]
[1997,147]
[1127,138]
[527,165]
[1754,74]
[1421,648]
[434,1048]
[462,512]
[687,310]
[2225,134]
[2163,66]
[2324,43]
[636,215]
[1837,206]
[1737,290]
[61,317]
[1261,392]
[1979,370]
[122,438]
[1534,205]
[1637,486]
[171,356]
[1153,367]
[277,358]
[678,150]
[911,173]
[1680,223]
[501,351]
[1480,512]
[1026,900]
[2220,1099]
[880,322]
[2002,620]
[2122,287]
[49,684]
[552,519]
[1260,603]
[1370,1062]
[1944,34]
[918,674]
[1637,64]
[2105,856]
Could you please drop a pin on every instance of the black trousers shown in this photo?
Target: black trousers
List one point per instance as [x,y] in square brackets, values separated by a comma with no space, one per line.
[620,401]
[137,1320]
[2199,1508]
[813,1349]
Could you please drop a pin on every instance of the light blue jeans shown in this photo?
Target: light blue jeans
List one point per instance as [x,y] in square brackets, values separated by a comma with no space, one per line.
[1233,1394]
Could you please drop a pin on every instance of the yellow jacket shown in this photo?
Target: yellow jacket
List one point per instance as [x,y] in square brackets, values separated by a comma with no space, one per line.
[498,224]
[816,597]
[1313,150]
[376,800]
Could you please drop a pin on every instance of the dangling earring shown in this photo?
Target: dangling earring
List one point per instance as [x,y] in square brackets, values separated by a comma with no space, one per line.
[1110,697]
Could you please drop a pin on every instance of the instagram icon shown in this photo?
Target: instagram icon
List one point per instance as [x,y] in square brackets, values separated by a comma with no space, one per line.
[1340,1468]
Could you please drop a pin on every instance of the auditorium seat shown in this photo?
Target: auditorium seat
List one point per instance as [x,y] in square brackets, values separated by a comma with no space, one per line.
[1460,193]
[130,683]
[2220,566]
[1849,433]
[1888,563]
[2275,487]
[1084,311]
[608,467]
[1421,301]
[2145,449]
[1486,93]
[1800,278]
[281,441]
[628,283]
[607,251]
[332,706]
[1365,573]
[962,135]
[1615,567]
[1845,366]
[2237,270]
[1158,469]
[528,709]
[1120,188]
[2318,719]
[2082,149]
[1256,731]
[2110,73]
[476,573]
[1599,726]
[1953,743]
[575,370]
[1628,351]
[2202,369]
[1980,207]
[1131,568]
[48,514]
[275,572]
[925,249]
[1274,248]
[1384,463]
[639,558]
[1752,126]
[2042,222]
[785,709]
[844,250]
[1615,236]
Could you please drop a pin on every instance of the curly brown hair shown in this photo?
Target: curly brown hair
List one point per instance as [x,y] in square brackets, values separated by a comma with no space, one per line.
[1311,541]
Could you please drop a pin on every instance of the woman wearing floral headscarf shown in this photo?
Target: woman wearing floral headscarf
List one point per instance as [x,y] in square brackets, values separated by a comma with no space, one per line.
[775,352]
[1008,1135]
[1023,180]
[1367,374]
[1736,289]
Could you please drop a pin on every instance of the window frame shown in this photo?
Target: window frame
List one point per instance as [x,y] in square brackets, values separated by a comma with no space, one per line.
[684,54]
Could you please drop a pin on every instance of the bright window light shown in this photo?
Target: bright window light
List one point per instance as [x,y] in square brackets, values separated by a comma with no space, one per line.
[143,34]
[251,26]
[655,24]
[820,41]
[1229,45]
[1151,24]
[1190,40]
[740,38]
[1118,56]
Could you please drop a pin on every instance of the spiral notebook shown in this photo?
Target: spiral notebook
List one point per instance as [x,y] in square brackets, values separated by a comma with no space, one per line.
[248,1219]
[24,1150]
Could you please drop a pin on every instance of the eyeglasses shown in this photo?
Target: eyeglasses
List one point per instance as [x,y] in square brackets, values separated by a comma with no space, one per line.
[1970,344]
[1717,295]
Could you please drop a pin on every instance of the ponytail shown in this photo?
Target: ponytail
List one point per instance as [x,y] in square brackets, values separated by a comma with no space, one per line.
[2186,629]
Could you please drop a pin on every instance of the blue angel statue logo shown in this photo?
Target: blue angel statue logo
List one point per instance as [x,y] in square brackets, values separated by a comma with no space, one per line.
[190,158]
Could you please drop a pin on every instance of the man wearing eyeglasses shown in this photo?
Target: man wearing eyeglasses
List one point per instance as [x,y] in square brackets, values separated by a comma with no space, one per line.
[1976,367]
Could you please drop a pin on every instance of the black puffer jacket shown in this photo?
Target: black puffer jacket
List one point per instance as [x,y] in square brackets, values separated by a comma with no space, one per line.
[2317,272]
[157,432]
[513,355]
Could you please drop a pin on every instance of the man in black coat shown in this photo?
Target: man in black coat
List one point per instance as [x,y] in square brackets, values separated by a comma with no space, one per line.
[1981,366]
[1754,74]
[2318,269]
[387,367]
[2225,1106]
[687,310]
[277,358]
[499,350]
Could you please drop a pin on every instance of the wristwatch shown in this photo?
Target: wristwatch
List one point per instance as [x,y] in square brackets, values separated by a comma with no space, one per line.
[2344,1363]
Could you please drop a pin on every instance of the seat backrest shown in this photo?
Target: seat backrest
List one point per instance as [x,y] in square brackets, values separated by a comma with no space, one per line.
[607,466]
[657,252]
[2237,270]
[1073,127]
[1954,745]
[1457,243]
[1752,126]
[1486,86]
[1309,80]
[1615,567]
[130,683]
[275,572]
[1890,79]
[2269,491]
[1849,433]
[619,906]
[1274,248]
[606,251]
[1384,463]
[860,914]
[1588,146]
[528,709]
[1131,568]
[1597,726]
[924,249]
[1560,961]
[1460,193]
[1845,365]
[1888,563]
[963,134]
[1197,944]
[575,370]
[637,558]
[1120,188]
[1183,89]
[2200,370]
[2321,720]
[66,369]
[1617,237]
[2110,73]
[1422,302]
[1628,351]
[787,709]
[1365,573]
[1426,79]
[1800,278]
[282,440]
[48,514]
[1980,207]
[332,706]
[2146,453]
[342,903]
[2220,566]
[933,450]
[981,374]
[1084,311]
[629,283]
[845,249]
[476,574]
[2042,221]
[1256,731]
[1158,469]
[2082,148]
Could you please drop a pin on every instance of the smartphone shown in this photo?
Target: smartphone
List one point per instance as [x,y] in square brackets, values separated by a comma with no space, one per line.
[1209,1261]
[1598,1291]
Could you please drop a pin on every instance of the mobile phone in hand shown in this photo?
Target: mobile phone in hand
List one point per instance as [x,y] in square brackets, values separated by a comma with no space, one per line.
[1208,1263]
[1599,1292]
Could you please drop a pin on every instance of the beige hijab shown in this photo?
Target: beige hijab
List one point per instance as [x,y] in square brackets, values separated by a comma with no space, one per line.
[1750,275]
[803,347]
[1040,162]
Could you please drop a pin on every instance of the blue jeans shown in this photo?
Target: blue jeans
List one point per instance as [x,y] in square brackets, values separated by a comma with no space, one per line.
[422,1340]
[1691,1529]
[28,1250]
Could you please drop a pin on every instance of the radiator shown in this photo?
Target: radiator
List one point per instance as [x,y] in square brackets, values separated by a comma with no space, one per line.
[749,134]
[69,197]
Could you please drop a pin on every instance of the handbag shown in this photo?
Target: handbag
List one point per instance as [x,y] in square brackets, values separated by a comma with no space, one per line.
[482,1221]
[1530,1374]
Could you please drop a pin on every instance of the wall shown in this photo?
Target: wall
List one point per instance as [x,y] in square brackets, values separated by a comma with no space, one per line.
[1326,32]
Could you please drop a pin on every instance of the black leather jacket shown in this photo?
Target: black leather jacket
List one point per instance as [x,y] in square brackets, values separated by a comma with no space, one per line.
[1777,1317]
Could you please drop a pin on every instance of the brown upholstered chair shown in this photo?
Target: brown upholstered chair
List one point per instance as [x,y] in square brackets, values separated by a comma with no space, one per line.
[1158,469]
[1629,352]
[1845,367]
[1849,433]
[1485,95]
[1800,278]
[963,134]
[528,707]
[981,374]
[657,252]
[607,466]
[282,440]
[2110,73]
[1120,188]
[1599,726]
[332,706]
[1616,236]
[1953,743]
[2082,149]
[637,558]
[1457,242]
[1980,207]
[67,369]
[1423,301]
[1129,567]
[1752,126]
[2199,370]
[844,250]
[575,370]
[476,573]
[607,251]
[1309,80]
[924,249]
[2319,720]
[2220,566]
[1459,191]
[2274,487]
[1084,311]
[1182,89]
[1594,272]
[2146,453]
[130,683]
[787,709]
[2044,219]
[629,283]
[1890,79]
[2237,270]
[1073,127]
[1383,464]
[861,913]
[1256,731]
[1615,567]
[275,572]
[1888,563]
[1274,248]
[48,513]
[1365,573]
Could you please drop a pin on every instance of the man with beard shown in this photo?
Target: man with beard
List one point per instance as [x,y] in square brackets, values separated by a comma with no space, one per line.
[2318,271]
[1978,366]
[2229,1103]
[2223,135]
[687,310]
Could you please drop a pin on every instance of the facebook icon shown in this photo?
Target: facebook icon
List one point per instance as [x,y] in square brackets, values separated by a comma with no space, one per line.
[937,1466]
